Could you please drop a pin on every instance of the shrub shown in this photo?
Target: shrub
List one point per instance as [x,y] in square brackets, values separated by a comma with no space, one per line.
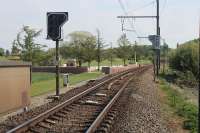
[185,58]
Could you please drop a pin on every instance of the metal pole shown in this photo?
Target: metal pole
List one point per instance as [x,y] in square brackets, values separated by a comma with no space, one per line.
[98,54]
[158,33]
[98,50]
[111,61]
[199,69]
[57,68]
[135,52]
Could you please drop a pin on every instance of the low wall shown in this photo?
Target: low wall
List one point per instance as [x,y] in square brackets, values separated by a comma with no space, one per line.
[52,69]
[111,70]
[14,85]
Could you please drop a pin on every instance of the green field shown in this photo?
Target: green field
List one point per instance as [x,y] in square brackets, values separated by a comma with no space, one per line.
[116,62]
[45,82]
[2,58]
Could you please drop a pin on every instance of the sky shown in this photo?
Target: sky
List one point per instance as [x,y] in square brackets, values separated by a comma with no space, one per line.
[179,19]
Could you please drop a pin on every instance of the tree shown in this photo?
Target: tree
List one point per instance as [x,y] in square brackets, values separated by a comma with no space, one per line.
[185,58]
[110,54]
[1,52]
[99,51]
[164,52]
[66,51]
[133,53]
[7,53]
[123,51]
[25,43]
[89,47]
[77,40]
[15,50]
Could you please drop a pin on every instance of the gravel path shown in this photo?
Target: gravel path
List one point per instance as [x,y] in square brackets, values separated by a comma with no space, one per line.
[142,113]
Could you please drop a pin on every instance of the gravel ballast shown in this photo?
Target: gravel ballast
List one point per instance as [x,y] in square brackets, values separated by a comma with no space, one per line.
[141,114]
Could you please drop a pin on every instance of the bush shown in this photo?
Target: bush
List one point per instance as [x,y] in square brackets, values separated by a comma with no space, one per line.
[185,58]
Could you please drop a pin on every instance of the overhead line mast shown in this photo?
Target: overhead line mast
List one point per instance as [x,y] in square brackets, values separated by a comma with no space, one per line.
[157,60]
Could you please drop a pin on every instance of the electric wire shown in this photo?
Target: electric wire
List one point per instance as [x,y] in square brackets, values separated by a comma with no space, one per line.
[163,7]
[126,13]
[142,7]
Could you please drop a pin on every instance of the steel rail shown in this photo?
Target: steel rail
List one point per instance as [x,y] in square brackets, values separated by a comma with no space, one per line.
[102,115]
[24,126]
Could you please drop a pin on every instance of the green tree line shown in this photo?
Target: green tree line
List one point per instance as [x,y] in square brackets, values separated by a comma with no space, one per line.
[80,45]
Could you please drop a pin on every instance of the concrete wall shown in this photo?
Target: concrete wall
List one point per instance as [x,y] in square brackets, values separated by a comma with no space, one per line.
[14,88]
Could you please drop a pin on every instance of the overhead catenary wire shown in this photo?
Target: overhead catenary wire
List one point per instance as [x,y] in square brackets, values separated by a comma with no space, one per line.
[133,20]
[142,7]
[126,13]
[163,7]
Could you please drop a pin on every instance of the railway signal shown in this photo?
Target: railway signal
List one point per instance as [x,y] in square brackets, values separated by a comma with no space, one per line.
[55,21]
[155,40]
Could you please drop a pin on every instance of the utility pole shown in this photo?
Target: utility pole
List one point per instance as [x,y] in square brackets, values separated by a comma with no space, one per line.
[157,51]
[98,49]
[158,34]
[199,68]
[111,57]
[135,54]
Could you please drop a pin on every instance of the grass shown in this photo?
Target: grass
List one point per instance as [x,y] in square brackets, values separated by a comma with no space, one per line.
[37,76]
[45,82]
[116,62]
[144,62]
[180,106]
[3,58]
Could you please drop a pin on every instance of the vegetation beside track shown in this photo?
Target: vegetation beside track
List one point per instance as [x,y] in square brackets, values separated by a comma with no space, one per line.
[180,106]
[116,62]
[45,82]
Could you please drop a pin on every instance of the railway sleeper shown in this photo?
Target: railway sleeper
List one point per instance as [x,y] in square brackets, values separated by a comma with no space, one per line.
[59,114]
[44,125]
[50,121]
[55,118]
[34,130]
[102,130]
[64,111]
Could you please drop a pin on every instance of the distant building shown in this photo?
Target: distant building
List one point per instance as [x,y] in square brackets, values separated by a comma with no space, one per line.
[71,62]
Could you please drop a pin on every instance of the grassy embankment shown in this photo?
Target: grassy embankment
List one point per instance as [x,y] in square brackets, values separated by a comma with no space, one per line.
[180,106]
[45,82]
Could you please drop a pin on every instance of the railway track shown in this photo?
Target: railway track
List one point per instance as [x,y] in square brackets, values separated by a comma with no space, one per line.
[84,112]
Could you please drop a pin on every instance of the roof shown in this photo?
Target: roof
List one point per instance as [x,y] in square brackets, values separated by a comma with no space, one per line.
[15,64]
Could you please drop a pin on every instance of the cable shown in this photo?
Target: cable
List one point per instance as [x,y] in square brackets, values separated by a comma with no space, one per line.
[125,12]
[144,6]
[163,7]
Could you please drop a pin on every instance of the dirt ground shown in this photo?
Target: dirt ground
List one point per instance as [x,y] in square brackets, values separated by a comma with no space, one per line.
[144,111]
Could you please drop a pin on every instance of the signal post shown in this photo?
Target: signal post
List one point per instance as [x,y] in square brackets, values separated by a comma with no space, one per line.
[55,21]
